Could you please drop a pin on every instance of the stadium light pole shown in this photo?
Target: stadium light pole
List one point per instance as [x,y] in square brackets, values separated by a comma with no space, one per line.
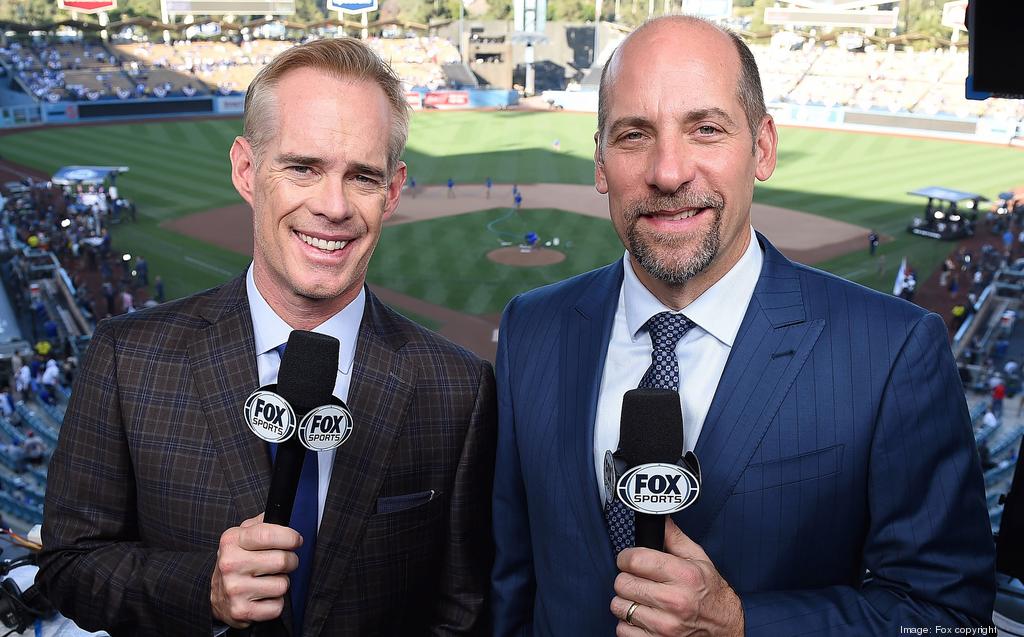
[166,19]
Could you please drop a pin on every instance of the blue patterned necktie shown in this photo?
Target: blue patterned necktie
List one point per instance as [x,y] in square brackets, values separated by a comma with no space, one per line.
[304,520]
[665,329]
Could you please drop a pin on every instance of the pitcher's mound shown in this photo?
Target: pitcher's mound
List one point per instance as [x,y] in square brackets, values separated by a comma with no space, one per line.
[515,256]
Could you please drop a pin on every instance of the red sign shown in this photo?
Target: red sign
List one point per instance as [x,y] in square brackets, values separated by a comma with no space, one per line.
[87,6]
[447,99]
[414,100]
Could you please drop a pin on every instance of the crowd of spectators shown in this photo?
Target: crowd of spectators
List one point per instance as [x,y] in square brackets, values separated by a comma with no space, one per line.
[73,223]
[91,71]
[876,79]
[57,259]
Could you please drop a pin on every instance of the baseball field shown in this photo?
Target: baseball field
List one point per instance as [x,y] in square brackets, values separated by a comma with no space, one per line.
[433,259]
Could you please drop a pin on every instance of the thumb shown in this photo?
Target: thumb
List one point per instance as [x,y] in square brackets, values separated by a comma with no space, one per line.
[252,521]
[679,544]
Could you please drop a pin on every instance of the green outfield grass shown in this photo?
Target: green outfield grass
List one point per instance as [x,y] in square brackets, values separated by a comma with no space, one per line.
[182,167]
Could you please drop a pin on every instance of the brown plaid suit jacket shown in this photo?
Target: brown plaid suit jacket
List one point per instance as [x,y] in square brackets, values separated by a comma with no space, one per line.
[155,462]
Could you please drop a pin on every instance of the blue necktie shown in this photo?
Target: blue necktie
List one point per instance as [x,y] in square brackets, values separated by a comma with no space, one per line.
[303,520]
[665,329]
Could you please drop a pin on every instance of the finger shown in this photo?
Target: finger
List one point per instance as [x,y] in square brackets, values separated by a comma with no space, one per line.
[262,536]
[246,611]
[679,544]
[272,562]
[251,521]
[622,629]
[640,590]
[646,563]
[620,609]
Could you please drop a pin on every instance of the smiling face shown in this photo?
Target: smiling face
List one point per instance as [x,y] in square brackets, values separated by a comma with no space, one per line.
[679,160]
[319,193]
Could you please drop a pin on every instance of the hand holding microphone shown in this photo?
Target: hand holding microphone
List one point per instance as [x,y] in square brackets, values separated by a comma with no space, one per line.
[254,559]
[676,592]
[250,578]
[667,585]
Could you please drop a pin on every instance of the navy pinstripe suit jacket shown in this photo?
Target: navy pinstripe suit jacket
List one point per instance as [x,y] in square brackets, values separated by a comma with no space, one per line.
[155,462]
[838,442]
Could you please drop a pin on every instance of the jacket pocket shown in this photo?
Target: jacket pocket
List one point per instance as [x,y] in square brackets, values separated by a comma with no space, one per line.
[396,503]
[790,470]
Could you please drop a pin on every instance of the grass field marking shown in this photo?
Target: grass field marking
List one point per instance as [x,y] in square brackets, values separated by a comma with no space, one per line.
[208,266]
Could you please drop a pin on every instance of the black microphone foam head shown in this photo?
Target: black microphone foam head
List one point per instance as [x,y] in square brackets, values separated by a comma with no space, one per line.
[651,428]
[308,370]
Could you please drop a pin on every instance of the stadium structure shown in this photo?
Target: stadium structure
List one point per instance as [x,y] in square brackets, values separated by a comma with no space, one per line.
[832,72]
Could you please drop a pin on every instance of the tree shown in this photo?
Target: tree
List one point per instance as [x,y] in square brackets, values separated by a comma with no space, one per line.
[136,9]
[309,11]
[499,10]
[30,11]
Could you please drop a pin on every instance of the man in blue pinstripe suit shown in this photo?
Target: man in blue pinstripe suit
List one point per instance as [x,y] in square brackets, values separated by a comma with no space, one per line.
[842,493]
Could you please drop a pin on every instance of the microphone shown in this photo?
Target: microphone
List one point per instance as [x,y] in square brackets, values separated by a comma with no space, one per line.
[309,368]
[650,431]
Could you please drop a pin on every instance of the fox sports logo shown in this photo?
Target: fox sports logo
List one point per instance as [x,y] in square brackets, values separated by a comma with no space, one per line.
[658,488]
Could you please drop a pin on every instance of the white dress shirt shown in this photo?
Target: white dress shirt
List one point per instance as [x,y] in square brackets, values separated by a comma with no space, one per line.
[702,352]
[270,331]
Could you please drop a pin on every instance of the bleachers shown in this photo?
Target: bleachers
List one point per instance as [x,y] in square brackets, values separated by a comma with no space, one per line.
[926,82]
[1008,441]
[36,423]
[1002,470]
[899,81]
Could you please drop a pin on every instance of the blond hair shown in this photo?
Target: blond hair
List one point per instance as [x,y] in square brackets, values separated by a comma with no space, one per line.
[343,58]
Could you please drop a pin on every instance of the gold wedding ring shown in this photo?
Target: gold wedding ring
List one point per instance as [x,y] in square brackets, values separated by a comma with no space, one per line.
[629,613]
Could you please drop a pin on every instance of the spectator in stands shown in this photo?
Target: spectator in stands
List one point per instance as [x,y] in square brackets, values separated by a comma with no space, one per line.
[16,363]
[51,376]
[23,381]
[34,448]
[998,395]
[959,314]
[158,289]
[142,271]
[6,402]
[127,301]
[989,420]
[108,295]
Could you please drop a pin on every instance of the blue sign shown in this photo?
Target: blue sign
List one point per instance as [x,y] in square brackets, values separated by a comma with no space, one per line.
[353,7]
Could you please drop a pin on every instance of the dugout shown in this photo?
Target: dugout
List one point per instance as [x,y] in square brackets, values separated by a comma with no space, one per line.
[949,214]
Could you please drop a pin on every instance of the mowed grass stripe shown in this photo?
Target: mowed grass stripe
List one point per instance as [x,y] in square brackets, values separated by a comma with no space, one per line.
[168,157]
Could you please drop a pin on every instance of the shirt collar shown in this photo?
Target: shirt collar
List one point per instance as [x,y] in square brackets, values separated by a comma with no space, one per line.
[718,311]
[270,330]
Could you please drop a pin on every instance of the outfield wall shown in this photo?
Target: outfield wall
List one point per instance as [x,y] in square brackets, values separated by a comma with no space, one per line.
[113,110]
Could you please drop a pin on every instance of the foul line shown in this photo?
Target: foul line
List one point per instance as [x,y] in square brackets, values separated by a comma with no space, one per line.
[212,268]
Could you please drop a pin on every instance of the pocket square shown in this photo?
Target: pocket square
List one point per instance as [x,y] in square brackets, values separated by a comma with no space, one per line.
[395,503]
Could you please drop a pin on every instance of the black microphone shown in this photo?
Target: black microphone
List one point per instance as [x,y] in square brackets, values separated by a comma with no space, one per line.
[306,380]
[650,430]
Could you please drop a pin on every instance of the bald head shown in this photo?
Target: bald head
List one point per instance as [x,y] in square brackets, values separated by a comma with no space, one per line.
[671,36]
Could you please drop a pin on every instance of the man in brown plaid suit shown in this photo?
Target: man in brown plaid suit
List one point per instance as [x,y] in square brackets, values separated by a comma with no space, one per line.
[153,511]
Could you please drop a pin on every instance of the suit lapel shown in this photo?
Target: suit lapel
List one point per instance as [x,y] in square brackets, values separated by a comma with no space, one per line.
[586,330]
[222,358]
[771,347]
[382,386]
